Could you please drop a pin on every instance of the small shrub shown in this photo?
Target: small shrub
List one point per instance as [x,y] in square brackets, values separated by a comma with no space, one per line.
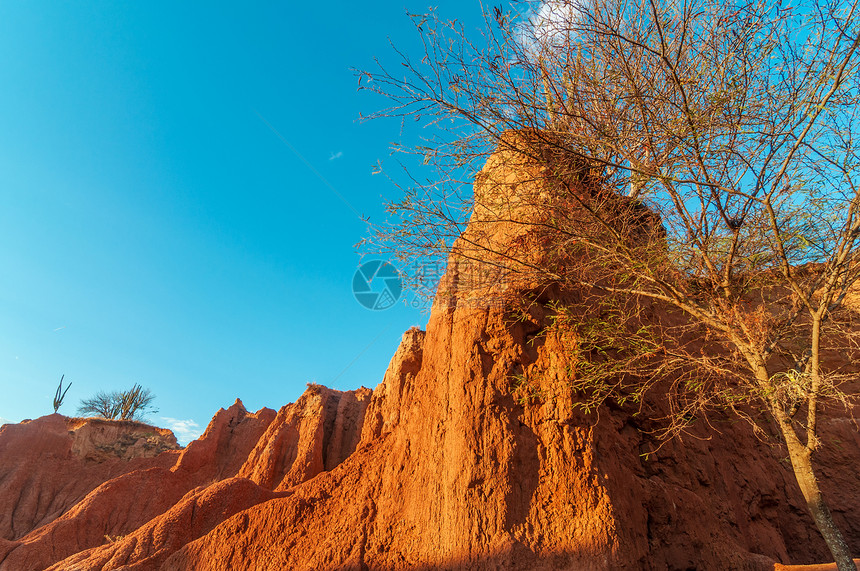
[124,405]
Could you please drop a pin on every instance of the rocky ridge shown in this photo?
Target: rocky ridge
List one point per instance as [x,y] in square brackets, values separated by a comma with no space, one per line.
[443,465]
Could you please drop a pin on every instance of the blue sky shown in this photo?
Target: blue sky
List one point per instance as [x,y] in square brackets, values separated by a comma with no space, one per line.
[155,230]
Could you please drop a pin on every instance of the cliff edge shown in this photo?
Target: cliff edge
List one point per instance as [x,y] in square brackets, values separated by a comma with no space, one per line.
[444,465]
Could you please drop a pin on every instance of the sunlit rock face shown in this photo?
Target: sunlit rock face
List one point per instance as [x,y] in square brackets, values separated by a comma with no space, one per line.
[537,206]
[446,464]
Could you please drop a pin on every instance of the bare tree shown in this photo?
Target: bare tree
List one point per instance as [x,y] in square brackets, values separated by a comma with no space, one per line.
[132,404]
[695,154]
[103,404]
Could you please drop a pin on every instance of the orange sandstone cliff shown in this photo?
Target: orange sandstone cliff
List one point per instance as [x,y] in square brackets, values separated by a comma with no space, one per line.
[442,466]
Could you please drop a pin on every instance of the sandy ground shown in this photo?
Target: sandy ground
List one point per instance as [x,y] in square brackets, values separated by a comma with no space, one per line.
[816,567]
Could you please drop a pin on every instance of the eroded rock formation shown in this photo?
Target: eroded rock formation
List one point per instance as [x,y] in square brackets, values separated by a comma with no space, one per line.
[445,464]
[50,464]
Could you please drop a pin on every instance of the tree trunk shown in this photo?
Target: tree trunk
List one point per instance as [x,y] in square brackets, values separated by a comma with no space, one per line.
[801,461]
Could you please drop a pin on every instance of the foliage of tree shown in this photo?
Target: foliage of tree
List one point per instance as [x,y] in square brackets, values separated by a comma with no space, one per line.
[132,404]
[736,123]
[60,395]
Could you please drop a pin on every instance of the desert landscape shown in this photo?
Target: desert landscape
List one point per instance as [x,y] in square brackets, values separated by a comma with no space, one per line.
[443,465]
[616,242]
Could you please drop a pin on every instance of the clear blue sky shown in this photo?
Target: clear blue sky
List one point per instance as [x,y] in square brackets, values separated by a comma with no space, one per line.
[153,229]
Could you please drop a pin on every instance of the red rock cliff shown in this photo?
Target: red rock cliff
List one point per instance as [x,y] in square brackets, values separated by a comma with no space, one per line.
[445,465]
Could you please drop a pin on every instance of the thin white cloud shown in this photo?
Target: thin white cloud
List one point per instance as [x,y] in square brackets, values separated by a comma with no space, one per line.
[335,156]
[5,421]
[554,24]
[58,328]
[549,26]
[185,430]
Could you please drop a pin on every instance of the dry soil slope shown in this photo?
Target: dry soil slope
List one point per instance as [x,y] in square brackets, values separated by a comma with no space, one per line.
[453,471]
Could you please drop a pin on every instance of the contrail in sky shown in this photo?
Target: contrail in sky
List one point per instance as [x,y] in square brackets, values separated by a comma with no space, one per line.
[310,166]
